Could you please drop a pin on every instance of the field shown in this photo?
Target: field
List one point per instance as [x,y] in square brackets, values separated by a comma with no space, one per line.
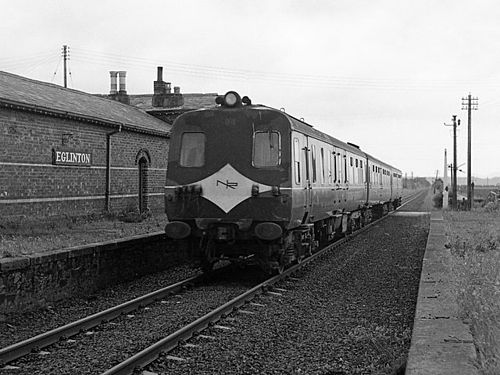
[474,241]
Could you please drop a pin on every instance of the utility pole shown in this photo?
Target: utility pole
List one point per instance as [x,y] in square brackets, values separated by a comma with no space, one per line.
[454,168]
[469,104]
[65,58]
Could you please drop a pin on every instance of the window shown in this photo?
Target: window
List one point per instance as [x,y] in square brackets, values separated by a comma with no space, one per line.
[330,167]
[296,160]
[266,149]
[356,163]
[334,166]
[313,156]
[192,150]
[322,152]
[351,161]
[345,169]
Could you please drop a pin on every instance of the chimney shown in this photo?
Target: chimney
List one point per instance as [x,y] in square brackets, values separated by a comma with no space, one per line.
[121,75]
[118,95]
[113,75]
[159,87]
[162,93]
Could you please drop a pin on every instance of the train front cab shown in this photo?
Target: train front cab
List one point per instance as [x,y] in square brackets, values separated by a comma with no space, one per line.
[232,203]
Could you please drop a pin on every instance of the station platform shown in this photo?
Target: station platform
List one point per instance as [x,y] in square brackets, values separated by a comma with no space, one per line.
[441,343]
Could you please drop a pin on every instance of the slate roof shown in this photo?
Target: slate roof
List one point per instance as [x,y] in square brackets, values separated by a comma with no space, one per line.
[53,99]
[191,101]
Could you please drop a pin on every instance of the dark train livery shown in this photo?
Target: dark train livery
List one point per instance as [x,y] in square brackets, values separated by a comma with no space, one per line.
[251,183]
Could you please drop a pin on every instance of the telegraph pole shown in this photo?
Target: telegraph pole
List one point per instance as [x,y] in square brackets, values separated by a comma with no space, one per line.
[469,104]
[65,58]
[454,168]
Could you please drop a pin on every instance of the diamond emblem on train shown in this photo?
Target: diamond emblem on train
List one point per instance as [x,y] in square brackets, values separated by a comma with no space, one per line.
[227,188]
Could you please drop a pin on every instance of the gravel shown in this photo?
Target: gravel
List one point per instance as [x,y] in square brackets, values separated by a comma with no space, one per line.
[351,312]
[18,327]
[101,348]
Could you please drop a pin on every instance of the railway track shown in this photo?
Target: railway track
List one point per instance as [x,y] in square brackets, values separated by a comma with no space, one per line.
[166,344]
[20,349]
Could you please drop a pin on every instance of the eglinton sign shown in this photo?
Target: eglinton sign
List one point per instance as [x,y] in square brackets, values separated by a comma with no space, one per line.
[65,157]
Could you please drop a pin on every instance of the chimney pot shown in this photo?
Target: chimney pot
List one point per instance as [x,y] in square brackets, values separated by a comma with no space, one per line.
[114,87]
[160,74]
[121,76]
[177,90]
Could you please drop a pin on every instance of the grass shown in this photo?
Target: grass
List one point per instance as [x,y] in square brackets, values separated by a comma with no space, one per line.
[24,236]
[474,240]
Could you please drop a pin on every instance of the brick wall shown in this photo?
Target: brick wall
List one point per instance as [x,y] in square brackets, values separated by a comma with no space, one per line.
[31,282]
[31,185]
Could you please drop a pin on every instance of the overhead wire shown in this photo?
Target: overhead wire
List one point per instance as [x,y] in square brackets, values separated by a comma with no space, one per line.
[325,81]
[80,55]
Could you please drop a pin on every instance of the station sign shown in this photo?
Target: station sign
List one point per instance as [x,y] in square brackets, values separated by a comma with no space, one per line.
[71,157]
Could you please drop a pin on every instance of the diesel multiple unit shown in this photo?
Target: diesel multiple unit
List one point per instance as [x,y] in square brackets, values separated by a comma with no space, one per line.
[251,183]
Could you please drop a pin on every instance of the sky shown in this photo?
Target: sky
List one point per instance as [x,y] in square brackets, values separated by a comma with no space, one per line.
[386,75]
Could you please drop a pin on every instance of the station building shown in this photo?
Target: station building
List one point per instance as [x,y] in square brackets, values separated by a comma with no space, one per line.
[67,152]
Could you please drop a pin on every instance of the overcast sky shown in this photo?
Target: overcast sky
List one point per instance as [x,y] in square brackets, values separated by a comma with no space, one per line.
[385,75]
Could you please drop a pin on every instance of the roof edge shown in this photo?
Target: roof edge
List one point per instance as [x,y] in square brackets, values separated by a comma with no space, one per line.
[75,116]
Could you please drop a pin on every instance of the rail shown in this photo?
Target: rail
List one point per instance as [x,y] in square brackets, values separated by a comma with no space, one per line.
[151,353]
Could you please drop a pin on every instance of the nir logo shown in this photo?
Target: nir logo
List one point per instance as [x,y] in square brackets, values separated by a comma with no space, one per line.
[227,184]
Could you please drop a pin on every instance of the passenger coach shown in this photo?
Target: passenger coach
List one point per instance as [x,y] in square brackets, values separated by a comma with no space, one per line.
[251,183]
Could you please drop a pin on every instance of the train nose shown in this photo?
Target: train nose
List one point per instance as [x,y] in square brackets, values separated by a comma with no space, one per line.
[177,230]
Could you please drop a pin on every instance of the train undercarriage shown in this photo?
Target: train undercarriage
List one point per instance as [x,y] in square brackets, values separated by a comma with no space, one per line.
[223,241]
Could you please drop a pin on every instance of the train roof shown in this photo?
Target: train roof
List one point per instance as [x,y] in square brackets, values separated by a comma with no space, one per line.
[309,130]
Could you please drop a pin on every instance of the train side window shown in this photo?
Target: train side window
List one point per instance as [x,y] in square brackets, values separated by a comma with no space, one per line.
[334,154]
[192,150]
[331,161]
[346,179]
[313,162]
[266,149]
[296,160]
[322,152]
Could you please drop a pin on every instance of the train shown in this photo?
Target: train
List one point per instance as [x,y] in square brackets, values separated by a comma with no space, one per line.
[252,184]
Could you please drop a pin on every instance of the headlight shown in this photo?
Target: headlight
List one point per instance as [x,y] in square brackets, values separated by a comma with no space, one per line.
[232,99]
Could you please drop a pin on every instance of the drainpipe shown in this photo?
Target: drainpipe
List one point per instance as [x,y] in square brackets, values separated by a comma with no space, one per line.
[108,167]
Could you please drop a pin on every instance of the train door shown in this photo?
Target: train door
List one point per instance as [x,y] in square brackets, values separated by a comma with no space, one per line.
[302,183]
[391,182]
[308,166]
[368,179]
